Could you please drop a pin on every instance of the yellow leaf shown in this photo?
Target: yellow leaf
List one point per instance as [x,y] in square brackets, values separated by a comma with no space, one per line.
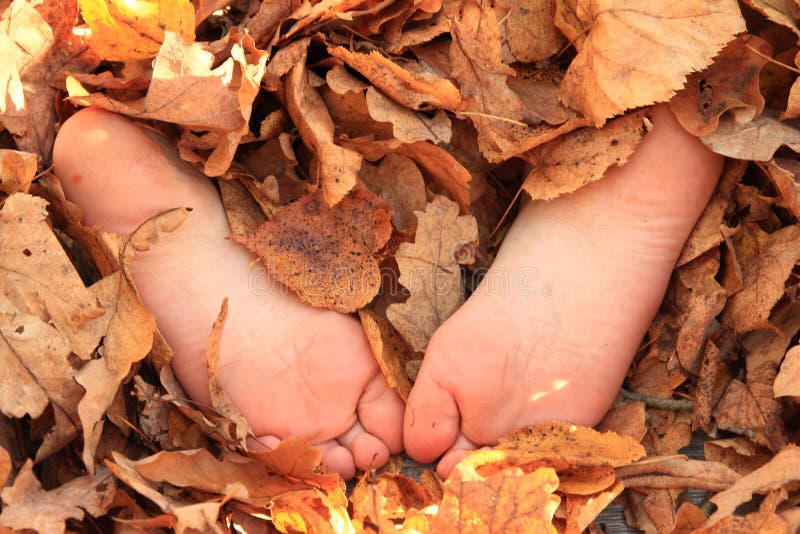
[134,29]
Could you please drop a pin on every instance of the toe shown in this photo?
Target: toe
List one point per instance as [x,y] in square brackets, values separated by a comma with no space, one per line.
[431,419]
[460,449]
[337,458]
[367,450]
[380,410]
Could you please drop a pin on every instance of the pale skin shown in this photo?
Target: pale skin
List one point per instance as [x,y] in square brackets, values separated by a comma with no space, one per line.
[603,257]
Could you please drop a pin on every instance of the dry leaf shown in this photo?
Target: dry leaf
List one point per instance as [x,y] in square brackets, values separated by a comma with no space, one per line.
[399,182]
[581,157]
[5,466]
[408,126]
[27,506]
[530,30]
[740,454]
[782,469]
[17,170]
[507,501]
[787,383]
[326,254]
[767,260]
[390,351]
[429,269]
[610,74]
[730,83]
[123,30]
[337,166]
[756,140]
[677,472]
[784,12]
[583,509]
[387,498]
[628,419]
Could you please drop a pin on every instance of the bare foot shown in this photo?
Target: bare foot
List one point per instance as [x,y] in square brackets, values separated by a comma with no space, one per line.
[557,346]
[291,369]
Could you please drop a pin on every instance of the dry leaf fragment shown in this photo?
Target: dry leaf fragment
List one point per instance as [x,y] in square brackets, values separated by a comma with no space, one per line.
[413,85]
[430,271]
[337,166]
[782,12]
[787,383]
[27,506]
[730,83]
[767,260]
[740,454]
[389,349]
[5,466]
[757,140]
[326,254]
[583,509]
[610,74]
[506,501]
[581,157]
[530,30]
[220,400]
[677,472]
[17,170]
[782,469]
[388,497]
[399,182]
[627,419]
[124,30]
[408,126]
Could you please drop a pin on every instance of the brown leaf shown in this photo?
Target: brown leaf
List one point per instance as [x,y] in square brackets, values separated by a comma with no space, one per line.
[627,419]
[751,409]
[323,253]
[124,31]
[677,472]
[220,400]
[390,351]
[27,506]
[740,454]
[5,466]
[399,182]
[767,260]
[337,166]
[409,84]
[507,501]
[779,11]
[711,383]
[583,156]
[583,509]
[429,269]
[529,29]
[782,469]
[730,83]
[408,126]
[241,209]
[756,140]
[386,498]
[610,75]
[787,383]
[17,170]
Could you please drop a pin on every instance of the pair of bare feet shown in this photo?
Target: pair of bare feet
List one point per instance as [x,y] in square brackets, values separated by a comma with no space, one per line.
[505,359]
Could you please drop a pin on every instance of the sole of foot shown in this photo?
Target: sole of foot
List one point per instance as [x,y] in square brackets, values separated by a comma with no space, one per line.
[553,327]
[292,370]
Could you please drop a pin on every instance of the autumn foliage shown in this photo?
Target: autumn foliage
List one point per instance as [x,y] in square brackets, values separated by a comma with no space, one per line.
[376,145]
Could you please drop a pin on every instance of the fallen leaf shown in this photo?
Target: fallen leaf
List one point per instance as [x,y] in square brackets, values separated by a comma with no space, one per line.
[123,30]
[767,260]
[730,83]
[27,506]
[5,466]
[756,140]
[17,171]
[220,400]
[787,383]
[390,351]
[507,501]
[337,166]
[530,31]
[781,11]
[688,518]
[627,419]
[429,269]
[410,84]
[408,126]
[739,453]
[751,409]
[782,469]
[382,500]
[326,254]
[712,381]
[583,509]
[610,75]
[399,182]
[677,472]
[581,157]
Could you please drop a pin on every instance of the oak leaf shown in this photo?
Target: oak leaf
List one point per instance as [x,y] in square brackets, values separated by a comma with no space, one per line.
[123,30]
[326,254]
[730,83]
[582,156]
[610,75]
[27,506]
[787,383]
[782,469]
[506,501]
[429,268]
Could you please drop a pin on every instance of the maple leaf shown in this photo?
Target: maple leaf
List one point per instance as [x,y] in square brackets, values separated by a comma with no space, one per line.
[27,506]
[123,30]
[610,74]
[506,501]
[590,150]
[323,253]
[430,270]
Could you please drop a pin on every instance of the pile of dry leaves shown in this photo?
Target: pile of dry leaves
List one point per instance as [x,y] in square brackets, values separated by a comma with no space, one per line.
[389,129]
